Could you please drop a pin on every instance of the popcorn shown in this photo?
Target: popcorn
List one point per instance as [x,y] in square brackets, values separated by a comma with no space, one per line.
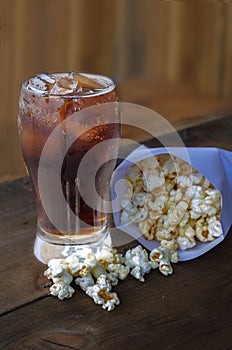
[101,296]
[152,179]
[131,208]
[84,270]
[104,282]
[147,228]
[85,281]
[163,257]
[205,183]
[163,235]
[196,178]
[171,244]
[58,274]
[100,293]
[184,219]
[112,261]
[139,198]
[172,203]
[174,257]
[137,273]
[136,256]
[107,255]
[208,231]
[137,259]
[214,227]
[156,254]
[120,271]
[147,164]
[158,203]
[62,277]
[142,215]
[183,181]
[96,269]
[100,271]
[175,215]
[176,195]
[57,262]
[185,242]
[129,214]
[62,290]
[112,277]
[125,198]
[134,174]
[74,266]
[165,267]
[168,167]
[194,192]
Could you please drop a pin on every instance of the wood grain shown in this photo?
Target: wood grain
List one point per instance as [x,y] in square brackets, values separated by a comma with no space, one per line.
[178,104]
[189,310]
[168,43]
[226,79]
[21,281]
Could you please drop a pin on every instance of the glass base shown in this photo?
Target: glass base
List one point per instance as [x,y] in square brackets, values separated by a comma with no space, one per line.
[45,251]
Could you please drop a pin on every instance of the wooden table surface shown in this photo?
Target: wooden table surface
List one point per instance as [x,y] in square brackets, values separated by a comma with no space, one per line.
[189,310]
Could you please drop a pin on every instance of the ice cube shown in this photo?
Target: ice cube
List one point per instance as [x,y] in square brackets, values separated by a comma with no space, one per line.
[37,84]
[86,82]
[41,83]
[67,83]
[63,86]
[47,78]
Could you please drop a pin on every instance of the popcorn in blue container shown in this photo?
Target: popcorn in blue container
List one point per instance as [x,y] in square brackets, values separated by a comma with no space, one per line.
[174,198]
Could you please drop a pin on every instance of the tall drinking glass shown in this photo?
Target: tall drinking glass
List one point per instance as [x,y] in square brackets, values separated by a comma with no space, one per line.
[69,129]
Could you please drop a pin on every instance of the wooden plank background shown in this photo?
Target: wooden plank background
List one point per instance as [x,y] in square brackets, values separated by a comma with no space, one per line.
[165,43]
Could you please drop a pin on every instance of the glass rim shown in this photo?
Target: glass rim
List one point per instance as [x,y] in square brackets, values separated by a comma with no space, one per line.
[101,78]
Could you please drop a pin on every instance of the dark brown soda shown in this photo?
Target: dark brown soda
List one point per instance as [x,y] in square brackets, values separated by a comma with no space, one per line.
[38,117]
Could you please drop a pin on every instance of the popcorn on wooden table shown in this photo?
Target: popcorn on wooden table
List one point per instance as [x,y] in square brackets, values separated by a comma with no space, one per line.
[100,271]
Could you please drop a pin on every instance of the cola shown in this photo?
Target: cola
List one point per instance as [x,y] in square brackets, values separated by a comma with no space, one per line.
[57,101]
